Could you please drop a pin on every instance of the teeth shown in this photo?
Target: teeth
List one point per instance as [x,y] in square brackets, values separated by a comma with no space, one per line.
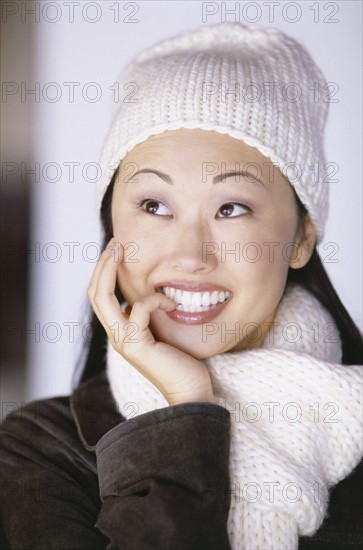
[186,299]
[205,299]
[214,298]
[195,301]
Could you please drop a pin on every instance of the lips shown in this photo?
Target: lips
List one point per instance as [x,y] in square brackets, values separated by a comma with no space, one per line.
[195,298]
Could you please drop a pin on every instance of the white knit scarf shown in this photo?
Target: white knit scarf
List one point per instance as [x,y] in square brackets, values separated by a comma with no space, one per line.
[296,422]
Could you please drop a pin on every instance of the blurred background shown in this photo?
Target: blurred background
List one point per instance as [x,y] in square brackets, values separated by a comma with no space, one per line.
[59,63]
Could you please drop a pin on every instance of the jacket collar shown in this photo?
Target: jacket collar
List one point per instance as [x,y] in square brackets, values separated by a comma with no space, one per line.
[94,410]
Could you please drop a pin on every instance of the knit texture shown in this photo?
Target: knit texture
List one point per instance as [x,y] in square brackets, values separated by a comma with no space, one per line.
[296,422]
[255,84]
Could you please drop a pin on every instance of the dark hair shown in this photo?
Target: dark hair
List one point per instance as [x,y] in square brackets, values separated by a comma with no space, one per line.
[312,276]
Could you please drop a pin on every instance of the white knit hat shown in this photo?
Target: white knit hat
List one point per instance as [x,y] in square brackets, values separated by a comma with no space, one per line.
[255,84]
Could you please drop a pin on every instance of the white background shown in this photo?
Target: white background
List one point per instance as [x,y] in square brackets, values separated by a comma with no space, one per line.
[83,51]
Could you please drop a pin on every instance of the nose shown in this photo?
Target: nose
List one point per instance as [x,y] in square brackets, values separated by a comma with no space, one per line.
[192,248]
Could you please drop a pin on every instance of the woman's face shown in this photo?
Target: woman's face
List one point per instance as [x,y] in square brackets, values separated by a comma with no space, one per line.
[201,230]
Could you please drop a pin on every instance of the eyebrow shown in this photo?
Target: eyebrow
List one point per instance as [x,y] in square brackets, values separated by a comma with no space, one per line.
[161,175]
[218,178]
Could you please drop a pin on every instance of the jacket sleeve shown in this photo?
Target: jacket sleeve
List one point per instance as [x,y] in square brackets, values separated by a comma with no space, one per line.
[158,482]
[49,493]
[164,480]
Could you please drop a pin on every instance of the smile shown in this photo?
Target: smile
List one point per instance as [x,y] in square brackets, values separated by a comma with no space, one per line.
[195,301]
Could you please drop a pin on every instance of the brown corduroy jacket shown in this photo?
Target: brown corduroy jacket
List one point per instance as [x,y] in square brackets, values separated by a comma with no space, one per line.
[75,474]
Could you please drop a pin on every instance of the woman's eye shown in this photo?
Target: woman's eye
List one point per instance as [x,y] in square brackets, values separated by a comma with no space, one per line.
[152,206]
[232,210]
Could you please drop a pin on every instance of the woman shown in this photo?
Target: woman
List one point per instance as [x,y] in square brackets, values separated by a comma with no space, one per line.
[219,406]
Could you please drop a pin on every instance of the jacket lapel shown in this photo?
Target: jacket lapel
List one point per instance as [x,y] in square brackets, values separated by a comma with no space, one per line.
[94,410]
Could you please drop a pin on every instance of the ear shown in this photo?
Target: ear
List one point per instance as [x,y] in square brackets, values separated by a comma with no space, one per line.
[304,243]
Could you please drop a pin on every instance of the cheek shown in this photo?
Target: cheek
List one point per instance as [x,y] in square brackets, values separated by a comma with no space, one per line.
[264,251]
[130,227]
[139,259]
[129,280]
[123,228]
[261,273]
[134,243]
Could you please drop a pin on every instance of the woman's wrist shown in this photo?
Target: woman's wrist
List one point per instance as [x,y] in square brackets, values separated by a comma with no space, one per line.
[199,397]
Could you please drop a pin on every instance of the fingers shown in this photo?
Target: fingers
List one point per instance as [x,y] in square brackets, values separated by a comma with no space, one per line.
[141,310]
[101,291]
[94,279]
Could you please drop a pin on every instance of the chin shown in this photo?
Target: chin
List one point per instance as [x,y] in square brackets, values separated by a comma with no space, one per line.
[190,341]
[201,351]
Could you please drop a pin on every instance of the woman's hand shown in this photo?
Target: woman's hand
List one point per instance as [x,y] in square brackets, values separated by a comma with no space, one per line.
[178,376]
